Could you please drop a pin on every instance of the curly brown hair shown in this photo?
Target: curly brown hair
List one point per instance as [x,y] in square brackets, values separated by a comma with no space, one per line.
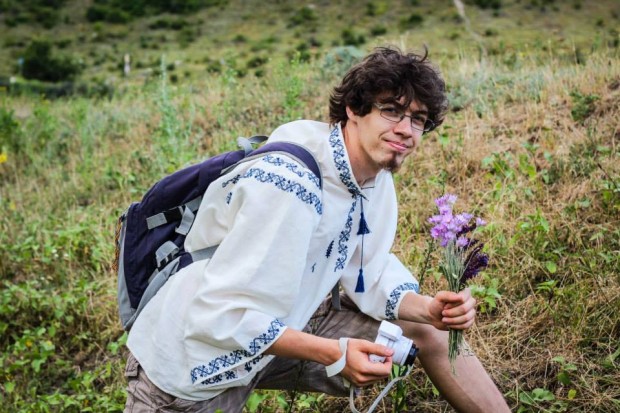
[388,75]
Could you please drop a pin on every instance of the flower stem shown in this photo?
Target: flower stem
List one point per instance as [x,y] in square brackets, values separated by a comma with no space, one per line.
[455,343]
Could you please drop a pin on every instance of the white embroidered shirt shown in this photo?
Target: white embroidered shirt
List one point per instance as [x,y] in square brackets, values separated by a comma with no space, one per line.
[283,244]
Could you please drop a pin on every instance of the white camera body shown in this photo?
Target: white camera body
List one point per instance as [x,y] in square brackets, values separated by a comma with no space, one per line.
[391,335]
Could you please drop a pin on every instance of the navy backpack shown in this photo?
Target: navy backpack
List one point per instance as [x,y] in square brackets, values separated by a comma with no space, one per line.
[151,233]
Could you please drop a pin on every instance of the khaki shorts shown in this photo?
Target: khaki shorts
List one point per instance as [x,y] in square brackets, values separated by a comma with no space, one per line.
[281,373]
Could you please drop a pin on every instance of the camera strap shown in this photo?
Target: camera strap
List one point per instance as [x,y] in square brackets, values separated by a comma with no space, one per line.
[339,365]
[381,395]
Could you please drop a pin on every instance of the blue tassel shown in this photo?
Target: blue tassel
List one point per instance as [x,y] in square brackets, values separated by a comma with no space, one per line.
[359,288]
[363,229]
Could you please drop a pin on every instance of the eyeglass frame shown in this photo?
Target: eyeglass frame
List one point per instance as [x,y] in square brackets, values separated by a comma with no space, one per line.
[429,125]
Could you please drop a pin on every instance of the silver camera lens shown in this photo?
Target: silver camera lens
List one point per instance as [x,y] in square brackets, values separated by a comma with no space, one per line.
[405,352]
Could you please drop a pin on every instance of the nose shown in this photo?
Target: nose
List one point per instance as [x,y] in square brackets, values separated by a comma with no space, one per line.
[405,128]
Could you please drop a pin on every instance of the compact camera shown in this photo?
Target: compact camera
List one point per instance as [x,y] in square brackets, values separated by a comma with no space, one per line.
[391,335]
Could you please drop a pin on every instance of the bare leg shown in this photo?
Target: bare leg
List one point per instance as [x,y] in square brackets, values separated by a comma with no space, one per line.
[472,389]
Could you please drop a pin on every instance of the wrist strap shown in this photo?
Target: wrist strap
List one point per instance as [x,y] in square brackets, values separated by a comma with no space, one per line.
[339,365]
[381,395]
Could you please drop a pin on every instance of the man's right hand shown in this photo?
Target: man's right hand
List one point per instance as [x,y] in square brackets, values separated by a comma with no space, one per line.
[359,370]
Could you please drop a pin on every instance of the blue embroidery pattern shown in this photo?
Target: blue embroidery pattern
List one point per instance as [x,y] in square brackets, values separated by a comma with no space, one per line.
[343,250]
[236,356]
[250,364]
[293,167]
[282,183]
[340,161]
[329,249]
[395,296]
[228,197]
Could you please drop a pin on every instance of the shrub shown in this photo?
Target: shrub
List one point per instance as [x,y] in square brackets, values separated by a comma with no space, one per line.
[412,21]
[43,12]
[256,61]
[488,4]
[304,16]
[120,11]
[376,8]
[39,63]
[10,132]
[583,106]
[350,38]
[101,12]
[46,16]
[378,30]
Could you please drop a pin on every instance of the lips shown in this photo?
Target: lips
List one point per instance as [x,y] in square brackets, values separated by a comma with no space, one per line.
[398,146]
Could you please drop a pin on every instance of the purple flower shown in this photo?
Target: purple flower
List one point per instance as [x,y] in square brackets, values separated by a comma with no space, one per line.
[475,262]
[462,242]
[448,226]
[452,228]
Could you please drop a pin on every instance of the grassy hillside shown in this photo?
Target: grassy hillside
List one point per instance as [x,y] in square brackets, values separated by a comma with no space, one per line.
[530,144]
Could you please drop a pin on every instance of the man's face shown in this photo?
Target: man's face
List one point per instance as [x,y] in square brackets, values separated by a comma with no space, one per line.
[379,140]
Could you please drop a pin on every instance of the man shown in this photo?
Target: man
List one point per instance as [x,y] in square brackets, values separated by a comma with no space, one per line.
[255,315]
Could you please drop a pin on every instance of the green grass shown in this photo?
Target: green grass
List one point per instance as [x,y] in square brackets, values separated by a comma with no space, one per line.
[531,145]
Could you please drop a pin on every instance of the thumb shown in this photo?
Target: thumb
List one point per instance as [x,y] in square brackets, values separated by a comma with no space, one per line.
[448,297]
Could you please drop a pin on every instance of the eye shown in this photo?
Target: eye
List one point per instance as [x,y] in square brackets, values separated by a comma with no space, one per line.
[391,111]
[418,119]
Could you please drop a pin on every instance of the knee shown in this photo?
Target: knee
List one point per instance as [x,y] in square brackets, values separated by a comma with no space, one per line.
[426,337]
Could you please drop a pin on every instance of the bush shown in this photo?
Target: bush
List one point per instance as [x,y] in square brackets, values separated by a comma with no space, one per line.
[174,24]
[378,30]
[583,106]
[121,11]
[40,64]
[349,38]
[10,131]
[43,12]
[46,16]
[412,21]
[488,4]
[101,12]
[304,16]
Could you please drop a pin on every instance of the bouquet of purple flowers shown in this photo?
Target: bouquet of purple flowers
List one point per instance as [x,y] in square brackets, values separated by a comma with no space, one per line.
[462,256]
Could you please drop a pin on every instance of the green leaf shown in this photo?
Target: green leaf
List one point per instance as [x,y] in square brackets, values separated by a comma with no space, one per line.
[36,364]
[9,387]
[572,393]
[564,378]
[542,395]
[254,401]
[551,267]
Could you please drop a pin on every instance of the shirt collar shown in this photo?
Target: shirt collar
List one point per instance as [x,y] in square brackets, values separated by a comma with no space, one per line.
[343,164]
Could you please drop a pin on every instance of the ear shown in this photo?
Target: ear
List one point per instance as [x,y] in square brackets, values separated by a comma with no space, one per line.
[352,116]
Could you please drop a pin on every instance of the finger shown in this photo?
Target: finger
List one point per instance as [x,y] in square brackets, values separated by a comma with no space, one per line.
[450,298]
[461,309]
[461,322]
[453,310]
[367,379]
[369,347]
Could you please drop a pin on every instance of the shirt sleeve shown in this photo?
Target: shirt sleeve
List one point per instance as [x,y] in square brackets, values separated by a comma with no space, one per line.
[385,279]
[266,214]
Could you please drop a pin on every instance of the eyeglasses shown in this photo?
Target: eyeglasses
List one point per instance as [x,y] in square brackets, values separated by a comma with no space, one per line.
[418,121]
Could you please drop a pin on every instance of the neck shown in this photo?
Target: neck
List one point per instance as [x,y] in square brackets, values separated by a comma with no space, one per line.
[361,171]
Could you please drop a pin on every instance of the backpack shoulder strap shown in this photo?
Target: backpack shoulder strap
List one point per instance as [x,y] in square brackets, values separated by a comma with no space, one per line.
[298,152]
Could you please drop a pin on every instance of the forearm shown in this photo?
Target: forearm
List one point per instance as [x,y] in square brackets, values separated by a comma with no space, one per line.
[415,307]
[303,346]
